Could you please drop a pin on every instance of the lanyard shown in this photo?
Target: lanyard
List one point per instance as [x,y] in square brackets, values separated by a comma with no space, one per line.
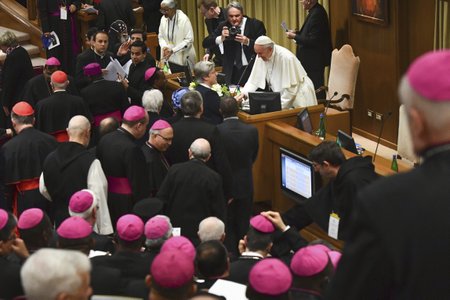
[173,28]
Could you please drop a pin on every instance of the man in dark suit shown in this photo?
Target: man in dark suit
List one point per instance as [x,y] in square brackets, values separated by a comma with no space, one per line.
[54,113]
[206,76]
[192,191]
[190,128]
[214,15]
[238,35]
[398,246]
[313,42]
[241,145]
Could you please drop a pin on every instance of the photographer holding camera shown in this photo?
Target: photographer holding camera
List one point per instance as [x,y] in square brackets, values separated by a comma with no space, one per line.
[237,34]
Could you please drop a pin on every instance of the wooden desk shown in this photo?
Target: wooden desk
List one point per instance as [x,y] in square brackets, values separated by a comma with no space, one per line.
[281,134]
[263,169]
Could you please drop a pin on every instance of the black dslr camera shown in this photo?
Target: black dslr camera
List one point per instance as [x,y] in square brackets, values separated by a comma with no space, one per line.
[234,31]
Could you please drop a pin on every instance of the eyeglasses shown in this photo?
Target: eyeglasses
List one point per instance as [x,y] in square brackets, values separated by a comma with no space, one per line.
[165,138]
[164,10]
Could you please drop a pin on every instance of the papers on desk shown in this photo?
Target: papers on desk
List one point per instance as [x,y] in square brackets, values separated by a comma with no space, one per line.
[229,289]
[115,70]
[89,9]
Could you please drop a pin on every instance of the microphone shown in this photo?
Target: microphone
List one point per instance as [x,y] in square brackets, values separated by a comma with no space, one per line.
[329,101]
[383,119]
[245,70]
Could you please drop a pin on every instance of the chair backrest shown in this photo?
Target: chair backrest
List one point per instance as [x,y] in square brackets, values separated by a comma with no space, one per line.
[152,43]
[343,73]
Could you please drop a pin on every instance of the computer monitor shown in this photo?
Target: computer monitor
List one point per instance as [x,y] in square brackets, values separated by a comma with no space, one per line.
[297,175]
[263,102]
[346,141]
[304,121]
[176,68]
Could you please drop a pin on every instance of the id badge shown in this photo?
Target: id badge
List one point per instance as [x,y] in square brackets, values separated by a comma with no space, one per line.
[176,231]
[333,226]
[63,13]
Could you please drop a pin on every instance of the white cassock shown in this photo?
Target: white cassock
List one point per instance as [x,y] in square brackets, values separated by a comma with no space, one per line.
[98,184]
[285,74]
[177,34]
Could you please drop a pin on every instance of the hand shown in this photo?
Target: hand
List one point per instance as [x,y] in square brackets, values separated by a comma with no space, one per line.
[206,57]
[47,34]
[9,132]
[275,218]
[225,33]
[242,39]
[123,80]
[167,52]
[239,98]
[124,48]
[104,72]
[242,246]
[20,249]
[290,34]
[72,8]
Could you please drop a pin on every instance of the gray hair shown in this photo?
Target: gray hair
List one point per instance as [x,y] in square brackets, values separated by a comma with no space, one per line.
[9,39]
[191,103]
[211,228]
[50,272]
[200,149]
[87,213]
[169,3]
[152,100]
[154,243]
[202,69]
[435,113]
[237,5]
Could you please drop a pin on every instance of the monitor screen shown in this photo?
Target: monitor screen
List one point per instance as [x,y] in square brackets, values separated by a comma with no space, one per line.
[304,121]
[263,102]
[176,68]
[297,175]
[346,141]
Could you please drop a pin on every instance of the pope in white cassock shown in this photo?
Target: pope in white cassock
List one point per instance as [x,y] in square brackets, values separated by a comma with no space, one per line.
[283,72]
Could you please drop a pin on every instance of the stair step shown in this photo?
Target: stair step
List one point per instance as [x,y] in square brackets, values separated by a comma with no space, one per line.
[21,36]
[31,49]
[38,61]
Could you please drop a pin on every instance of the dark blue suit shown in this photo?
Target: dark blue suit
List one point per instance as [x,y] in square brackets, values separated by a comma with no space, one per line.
[211,105]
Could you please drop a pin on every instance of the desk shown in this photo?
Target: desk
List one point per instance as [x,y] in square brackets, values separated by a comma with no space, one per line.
[263,168]
[281,134]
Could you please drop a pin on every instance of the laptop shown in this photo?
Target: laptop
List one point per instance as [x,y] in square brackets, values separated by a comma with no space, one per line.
[347,142]
[304,121]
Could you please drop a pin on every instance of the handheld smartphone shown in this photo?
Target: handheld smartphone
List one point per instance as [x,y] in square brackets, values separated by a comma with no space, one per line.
[284,26]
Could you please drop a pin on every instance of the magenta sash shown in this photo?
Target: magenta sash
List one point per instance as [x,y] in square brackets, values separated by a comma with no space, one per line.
[119,185]
[116,114]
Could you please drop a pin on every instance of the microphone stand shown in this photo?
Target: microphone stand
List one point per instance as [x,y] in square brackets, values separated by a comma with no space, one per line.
[379,135]
[245,70]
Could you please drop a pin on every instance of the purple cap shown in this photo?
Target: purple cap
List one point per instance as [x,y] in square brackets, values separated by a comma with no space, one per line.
[156,227]
[149,73]
[134,113]
[262,224]
[172,269]
[3,218]
[52,61]
[160,124]
[180,243]
[309,261]
[429,75]
[23,109]
[74,228]
[270,277]
[130,227]
[81,201]
[30,218]
[92,69]
[335,257]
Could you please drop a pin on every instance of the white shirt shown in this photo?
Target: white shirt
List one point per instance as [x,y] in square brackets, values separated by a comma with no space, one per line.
[242,27]
[285,74]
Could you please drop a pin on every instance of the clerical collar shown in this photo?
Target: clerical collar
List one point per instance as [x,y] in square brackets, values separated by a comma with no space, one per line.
[101,56]
[59,91]
[430,152]
[252,254]
[231,118]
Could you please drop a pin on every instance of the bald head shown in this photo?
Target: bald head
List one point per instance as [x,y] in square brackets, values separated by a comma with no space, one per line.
[200,149]
[79,130]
